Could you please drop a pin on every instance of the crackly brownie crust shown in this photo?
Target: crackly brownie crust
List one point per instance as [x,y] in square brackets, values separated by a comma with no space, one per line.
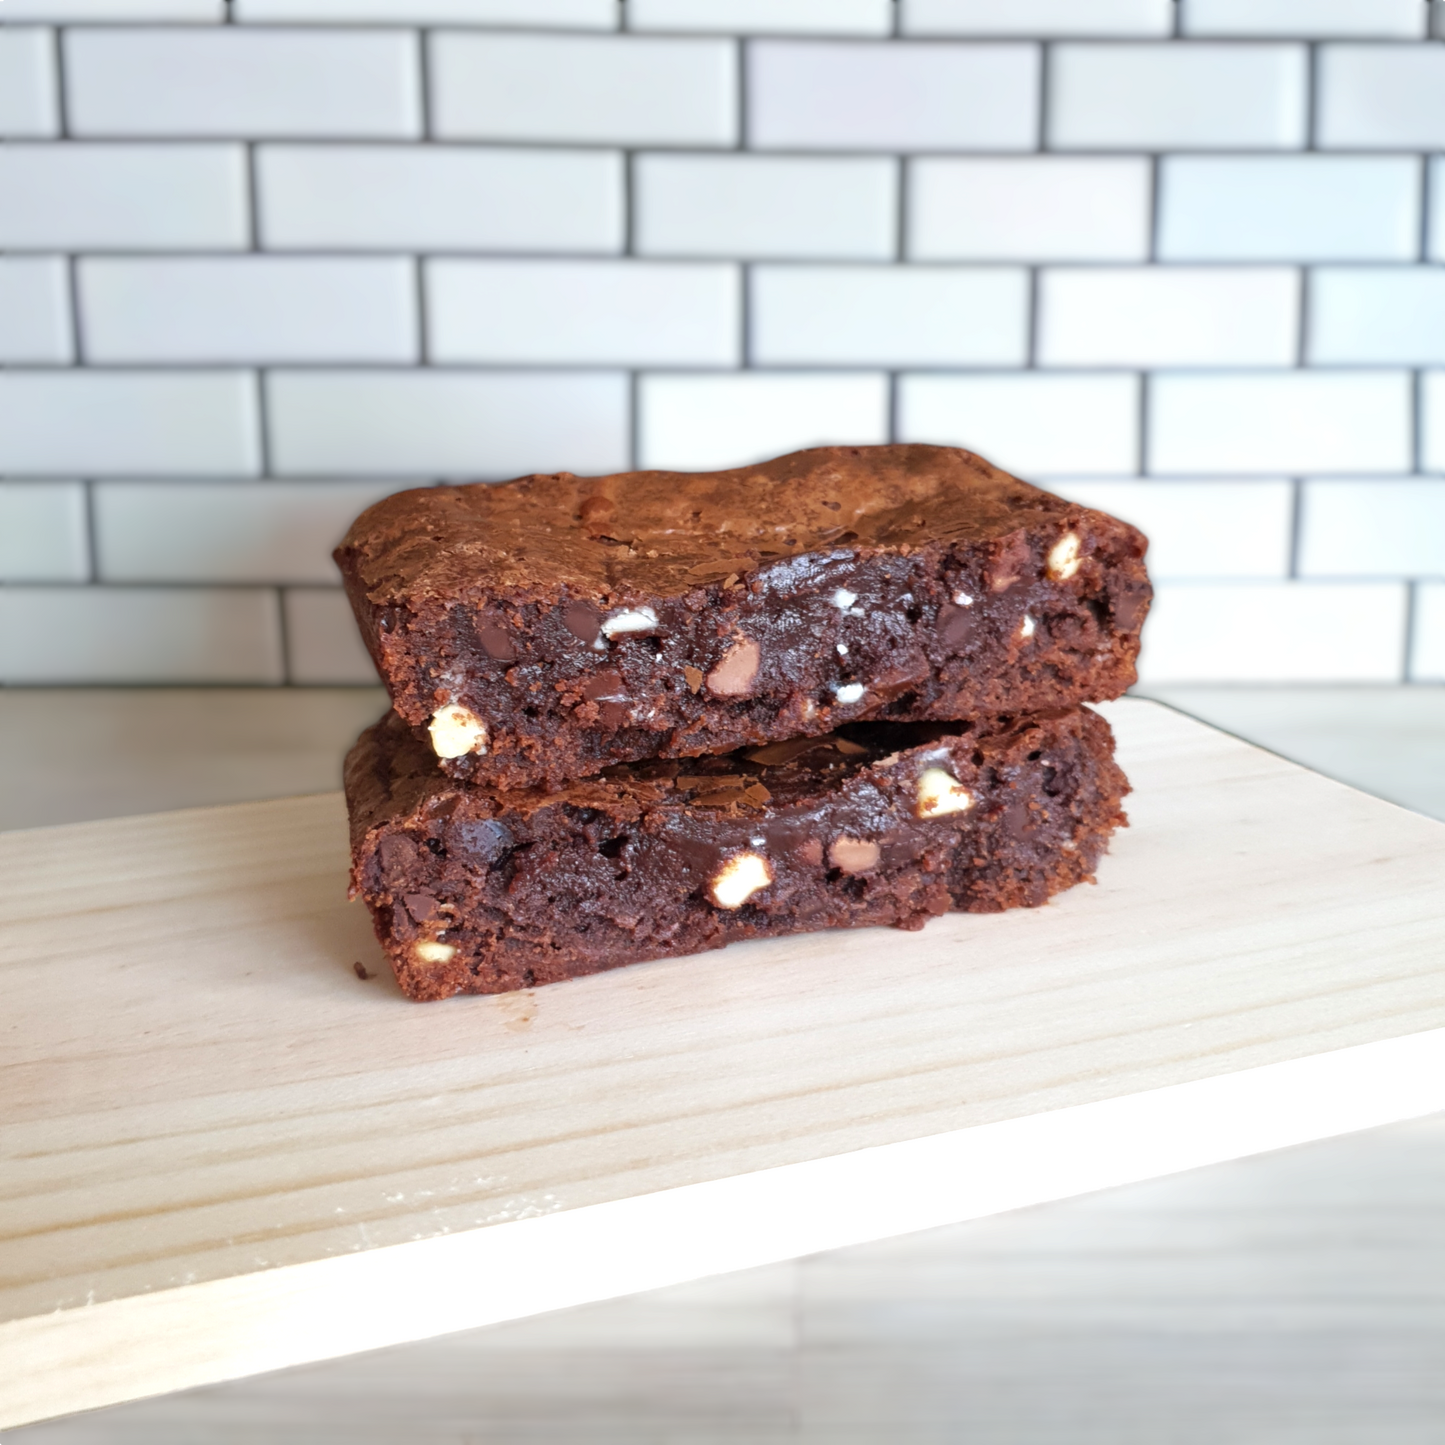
[474,890]
[547,627]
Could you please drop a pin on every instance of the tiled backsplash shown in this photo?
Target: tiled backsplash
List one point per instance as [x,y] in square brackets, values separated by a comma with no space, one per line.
[268,261]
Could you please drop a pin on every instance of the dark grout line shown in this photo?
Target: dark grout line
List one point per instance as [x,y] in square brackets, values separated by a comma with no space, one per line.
[1296,526]
[1141,462]
[634,420]
[1412,603]
[1426,187]
[1312,97]
[1046,68]
[895,384]
[253,200]
[92,560]
[423,337]
[424,83]
[745,314]
[629,203]
[1031,359]
[1417,422]
[1305,277]
[62,89]
[263,422]
[77,329]
[286,679]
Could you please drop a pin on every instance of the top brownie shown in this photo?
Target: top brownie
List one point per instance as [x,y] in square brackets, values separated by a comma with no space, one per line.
[543,629]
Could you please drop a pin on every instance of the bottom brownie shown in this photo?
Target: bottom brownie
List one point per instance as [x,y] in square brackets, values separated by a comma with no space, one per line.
[474,890]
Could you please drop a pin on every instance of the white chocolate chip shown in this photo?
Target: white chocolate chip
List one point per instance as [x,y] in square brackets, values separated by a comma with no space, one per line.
[428,952]
[939,793]
[842,649]
[456,731]
[643,619]
[1028,627]
[848,691]
[962,599]
[843,599]
[739,878]
[1064,558]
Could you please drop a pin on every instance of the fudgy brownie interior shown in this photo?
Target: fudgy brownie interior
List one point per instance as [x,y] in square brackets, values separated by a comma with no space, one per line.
[478,890]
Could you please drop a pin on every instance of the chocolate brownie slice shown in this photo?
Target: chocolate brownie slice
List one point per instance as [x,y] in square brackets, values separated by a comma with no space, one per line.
[477,890]
[544,628]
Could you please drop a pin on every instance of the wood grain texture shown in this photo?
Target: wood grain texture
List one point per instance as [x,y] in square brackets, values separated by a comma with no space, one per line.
[201,1089]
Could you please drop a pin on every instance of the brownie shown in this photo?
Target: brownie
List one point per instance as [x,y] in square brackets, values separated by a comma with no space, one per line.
[544,628]
[473,889]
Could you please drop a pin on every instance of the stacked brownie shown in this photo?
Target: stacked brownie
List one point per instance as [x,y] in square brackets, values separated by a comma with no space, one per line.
[648,714]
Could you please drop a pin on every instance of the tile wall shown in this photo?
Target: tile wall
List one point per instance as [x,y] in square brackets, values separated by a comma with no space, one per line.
[266,261]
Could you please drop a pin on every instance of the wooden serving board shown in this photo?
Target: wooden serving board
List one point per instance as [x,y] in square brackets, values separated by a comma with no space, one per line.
[222,1152]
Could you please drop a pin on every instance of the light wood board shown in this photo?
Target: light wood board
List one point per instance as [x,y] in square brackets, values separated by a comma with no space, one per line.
[221,1152]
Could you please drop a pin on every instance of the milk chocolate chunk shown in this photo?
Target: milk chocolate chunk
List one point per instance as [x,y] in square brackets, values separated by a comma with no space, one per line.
[474,889]
[575,622]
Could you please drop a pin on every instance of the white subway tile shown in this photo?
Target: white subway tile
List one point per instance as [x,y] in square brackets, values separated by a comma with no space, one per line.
[28,101]
[1272,422]
[1381,97]
[1387,314]
[140,635]
[453,424]
[1199,528]
[1030,423]
[123,197]
[34,310]
[1044,208]
[225,531]
[230,81]
[617,313]
[851,95]
[1372,527]
[1307,19]
[323,646]
[701,423]
[1179,97]
[1427,656]
[1045,18]
[249,308]
[1169,316]
[135,422]
[1289,208]
[43,533]
[763,17]
[889,315]
[116,12]
[1274,632]
[771,207]
[533,14]
[439,198]
[607,89]
[1432,421]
